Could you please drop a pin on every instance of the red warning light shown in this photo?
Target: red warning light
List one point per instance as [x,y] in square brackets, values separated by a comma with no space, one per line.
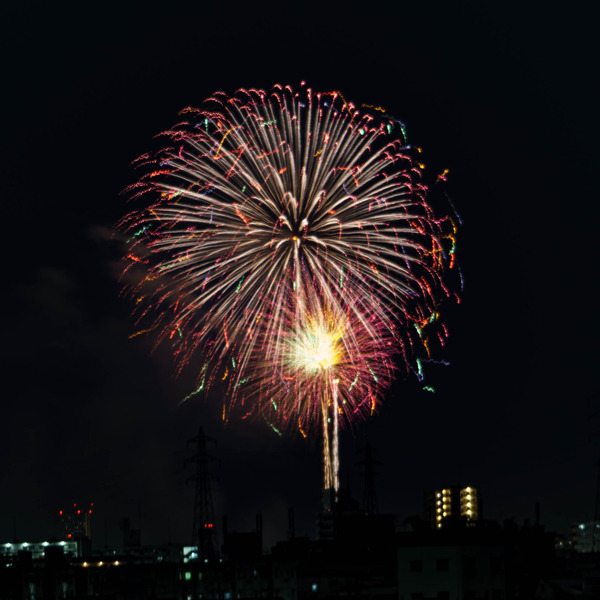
[90,512]
[78,512]
[69,535]
[60,512]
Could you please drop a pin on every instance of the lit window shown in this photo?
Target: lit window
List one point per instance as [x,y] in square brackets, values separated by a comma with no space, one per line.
[314,587]
[188,576]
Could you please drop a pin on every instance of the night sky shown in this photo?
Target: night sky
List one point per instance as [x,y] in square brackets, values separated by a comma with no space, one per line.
[505,97]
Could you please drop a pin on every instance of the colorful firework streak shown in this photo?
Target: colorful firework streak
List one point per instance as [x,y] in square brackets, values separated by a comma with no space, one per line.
[286,248]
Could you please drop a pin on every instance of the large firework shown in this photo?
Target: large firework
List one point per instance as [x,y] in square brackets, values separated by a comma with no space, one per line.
[288,250]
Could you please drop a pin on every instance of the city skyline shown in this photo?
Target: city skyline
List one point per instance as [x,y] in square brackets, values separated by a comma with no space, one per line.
[501,97]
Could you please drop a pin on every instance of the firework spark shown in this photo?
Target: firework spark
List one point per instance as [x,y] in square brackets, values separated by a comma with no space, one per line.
[286,246]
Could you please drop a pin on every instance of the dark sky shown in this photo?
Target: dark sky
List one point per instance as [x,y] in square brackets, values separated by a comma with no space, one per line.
[503,96]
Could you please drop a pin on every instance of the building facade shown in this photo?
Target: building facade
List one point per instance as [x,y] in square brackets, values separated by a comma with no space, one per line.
[452,504]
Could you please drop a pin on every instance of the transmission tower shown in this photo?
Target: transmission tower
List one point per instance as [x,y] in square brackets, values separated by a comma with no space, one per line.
[369,495]
[204,532]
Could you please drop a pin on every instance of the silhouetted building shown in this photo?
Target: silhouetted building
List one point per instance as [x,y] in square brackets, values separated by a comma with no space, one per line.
[452,564]
[77,521]
[241,545]
[343,505]
[480,561]
[582,536]
[131,537]
[365,559]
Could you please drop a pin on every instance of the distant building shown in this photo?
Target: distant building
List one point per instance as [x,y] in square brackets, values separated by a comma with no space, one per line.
[451,505]
[451,565]
[77,521]
[582,537]
[38,550]
[366,559]
[482,561]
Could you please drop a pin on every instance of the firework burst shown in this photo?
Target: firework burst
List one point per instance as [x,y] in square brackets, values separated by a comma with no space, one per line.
[288,250]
